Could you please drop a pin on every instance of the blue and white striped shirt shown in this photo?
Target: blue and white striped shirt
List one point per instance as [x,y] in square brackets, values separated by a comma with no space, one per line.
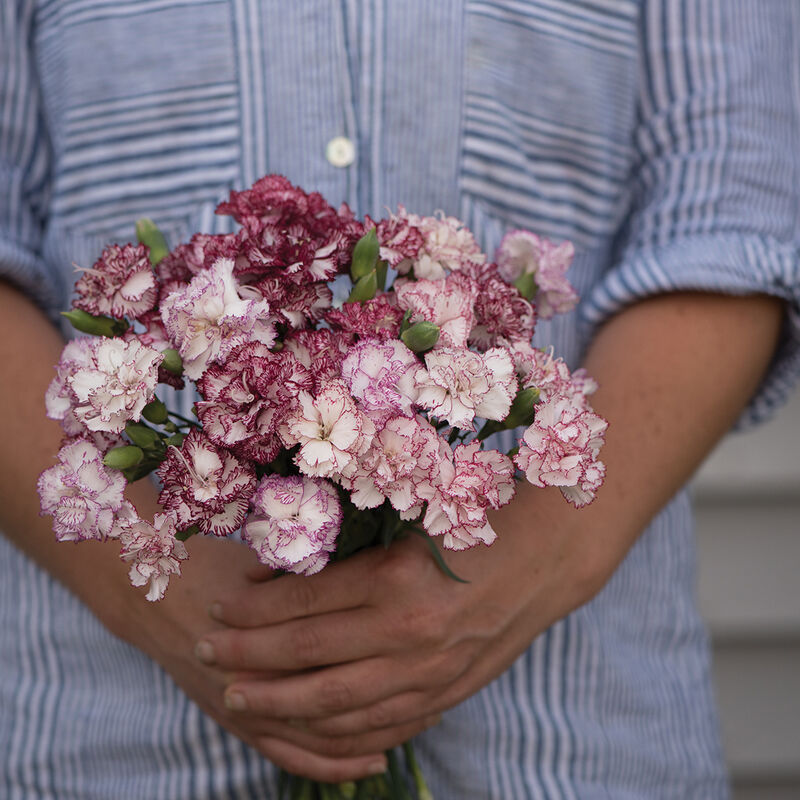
[661,136]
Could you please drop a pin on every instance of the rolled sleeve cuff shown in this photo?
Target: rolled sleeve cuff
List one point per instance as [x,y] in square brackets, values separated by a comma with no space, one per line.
[723,263]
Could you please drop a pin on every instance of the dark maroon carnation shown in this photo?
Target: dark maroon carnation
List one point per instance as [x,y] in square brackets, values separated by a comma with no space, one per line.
[376,317]
[206,485]
[321,352]
[299,304]
[398,238]
[247,398]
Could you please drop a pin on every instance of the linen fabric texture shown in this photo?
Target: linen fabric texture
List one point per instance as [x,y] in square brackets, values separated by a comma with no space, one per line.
[662,137]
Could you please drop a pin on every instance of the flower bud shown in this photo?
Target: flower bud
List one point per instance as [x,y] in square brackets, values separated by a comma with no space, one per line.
[183,535]
[526,285]
[148,234]
[365,288]
[365,255]
[172,361]
[123,457]
[141,435]
[521,411]
[421,336]
[155,411]
[96,326]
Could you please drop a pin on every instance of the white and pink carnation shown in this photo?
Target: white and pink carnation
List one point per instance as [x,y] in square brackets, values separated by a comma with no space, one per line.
[81,494]
[467,484]
[295,523]
[205,485]
[403,456]
[120,284]
[321,352]
[209,319]
[457,385]
[330,429]
[380,375]
[103,384]
[448,303]
[448,246]
[524,253]
[561,448]
[152,551]
[541,370]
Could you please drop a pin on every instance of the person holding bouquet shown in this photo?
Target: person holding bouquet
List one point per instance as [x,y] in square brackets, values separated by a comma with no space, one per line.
[660,137]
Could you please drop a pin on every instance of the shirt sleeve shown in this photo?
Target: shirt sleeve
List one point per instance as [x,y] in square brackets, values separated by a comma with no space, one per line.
[716,184]
[25,163]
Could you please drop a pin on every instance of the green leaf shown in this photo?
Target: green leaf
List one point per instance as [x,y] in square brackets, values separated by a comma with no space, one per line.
[176,440]
[365,288]
[489,427]
[96,326]
[123,457]
[155,411]
[172,361]
[380,273]
[183,535]
[147,233]
[526,285]
[421,336]
[522,409]
[365,255]
[143,436]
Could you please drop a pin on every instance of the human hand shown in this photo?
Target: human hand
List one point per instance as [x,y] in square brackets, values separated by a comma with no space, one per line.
[377,646]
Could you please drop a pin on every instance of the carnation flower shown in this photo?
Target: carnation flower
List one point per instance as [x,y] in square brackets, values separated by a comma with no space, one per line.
[524,253]
[248,397]
[399,238]
[330,430]
[448,246]
[447,303]
[467,485]
[178,267]
[152,551]
[380,376]
[459,385]
[321,352]
[561,447]
[81,493]
[209,318]
[376,317]
[502,315]
[541,370]
[402,457]
[206,486]
[294,524]
[120,284]
[299,304]
[103,384]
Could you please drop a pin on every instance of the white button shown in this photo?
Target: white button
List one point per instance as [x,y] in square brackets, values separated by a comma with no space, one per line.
[340,151]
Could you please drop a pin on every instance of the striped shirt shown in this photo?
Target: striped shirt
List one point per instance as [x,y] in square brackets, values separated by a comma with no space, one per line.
[660,136]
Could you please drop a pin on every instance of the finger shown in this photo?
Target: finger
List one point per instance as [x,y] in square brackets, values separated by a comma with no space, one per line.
[298,645]
[339,586]
[324,693]
[298,761]
[349,745]
[389,713]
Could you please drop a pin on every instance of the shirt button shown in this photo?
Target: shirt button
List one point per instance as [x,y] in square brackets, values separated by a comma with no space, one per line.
[340,151]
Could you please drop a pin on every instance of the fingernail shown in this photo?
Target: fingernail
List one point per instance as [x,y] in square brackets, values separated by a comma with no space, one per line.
[215,611]
[377,768]
[204,651]
[235,701]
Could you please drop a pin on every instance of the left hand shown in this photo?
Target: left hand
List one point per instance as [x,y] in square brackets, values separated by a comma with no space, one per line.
[380,644]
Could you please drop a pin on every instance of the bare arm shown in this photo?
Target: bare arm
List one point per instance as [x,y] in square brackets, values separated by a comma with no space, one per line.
[405,642]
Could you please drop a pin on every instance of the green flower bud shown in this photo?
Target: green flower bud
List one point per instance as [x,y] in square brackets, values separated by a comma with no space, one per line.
[421,336]
[148,234]
[521,411]
[365,289]
[155,411]
[142,436]
[123,457]
[365,255]
[96,326]
[182,536]
[172,361]
[526,285]
[176,440]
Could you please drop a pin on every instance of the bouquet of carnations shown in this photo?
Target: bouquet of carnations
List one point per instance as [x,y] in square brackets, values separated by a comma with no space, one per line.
[321,428]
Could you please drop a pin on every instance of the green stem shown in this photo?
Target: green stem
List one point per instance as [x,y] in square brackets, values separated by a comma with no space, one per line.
[423,792]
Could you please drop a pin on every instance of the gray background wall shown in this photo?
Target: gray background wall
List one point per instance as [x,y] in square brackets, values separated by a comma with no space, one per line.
[748,513]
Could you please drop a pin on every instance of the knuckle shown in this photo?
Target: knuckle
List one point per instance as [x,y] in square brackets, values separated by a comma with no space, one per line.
[422,625]
[305,645]
[334,696]
[398,571]
[380,716]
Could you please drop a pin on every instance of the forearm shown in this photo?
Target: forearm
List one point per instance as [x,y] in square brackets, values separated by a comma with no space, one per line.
[675,372]
[29,348]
